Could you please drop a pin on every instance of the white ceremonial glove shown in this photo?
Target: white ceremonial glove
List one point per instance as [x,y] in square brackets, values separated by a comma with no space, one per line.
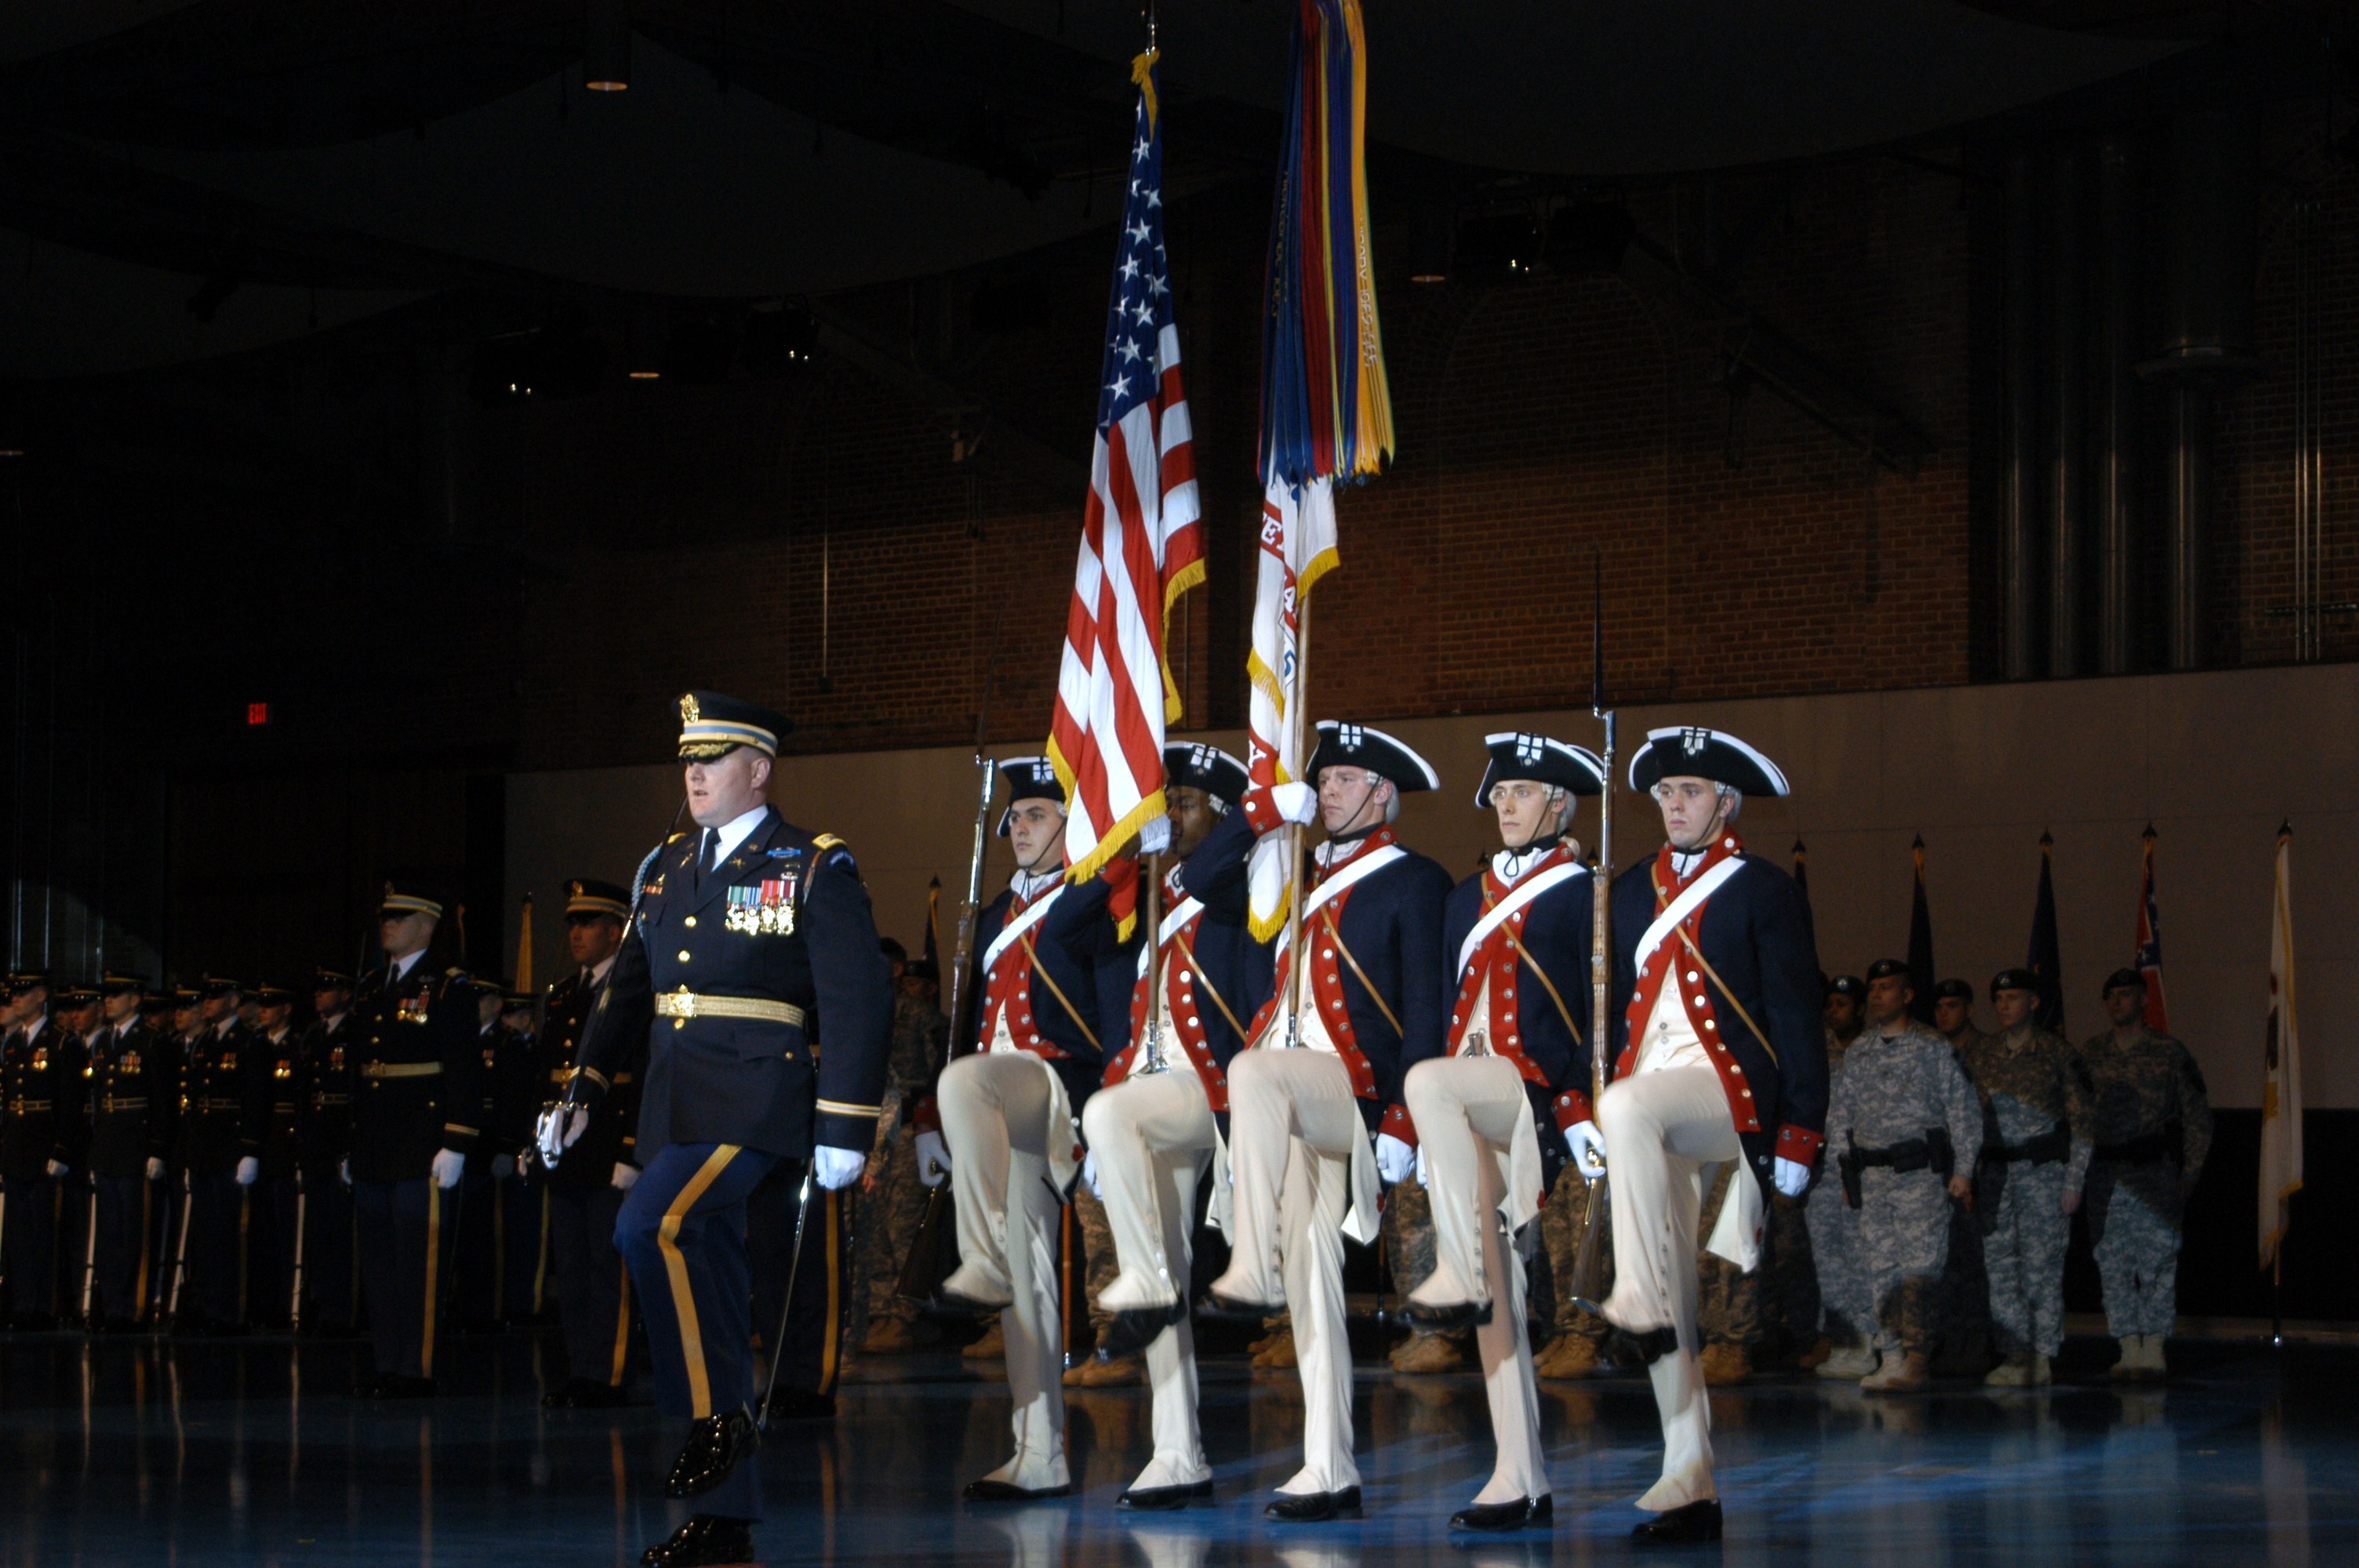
[59,1168]
[1791,1176]
[248,1169]
[1090,1175]
[502,1167]
[559,1129]
[1154,835]
[1588,1146]
[344,1170]
[155,1169]
[625,1174]
[1424,1172]
[933,1159]
[836,1169]
[1395,1159]
[1296,802]
[449,1163]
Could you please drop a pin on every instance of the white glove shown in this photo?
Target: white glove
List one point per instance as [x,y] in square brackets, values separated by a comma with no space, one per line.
[1154,835]
[1295,802]
[625,1174]
[836,1169]
[502,1167]
[248,1169]
[559,1129]
[1424,1172]
[933,1159]
[155,1169]
[1395,1159]
[448,1165]
[1090,1175]
[1791,1176]
[59,1168]
[1588,1146]
[344,1170]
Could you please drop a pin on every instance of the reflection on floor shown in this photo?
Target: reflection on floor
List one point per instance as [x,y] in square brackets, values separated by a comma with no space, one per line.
[250,1452]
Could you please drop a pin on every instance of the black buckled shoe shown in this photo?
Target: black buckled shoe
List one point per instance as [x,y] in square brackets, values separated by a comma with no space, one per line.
[949,1306]
[562,1397]
[1451,1319]
[1314,1507]
[1624,1349]
[714,1447]
[1228,1309]
[1165,1499]
[706,1540]
[1689,1526]
[991,1491]
[1522,1514]
[1135,1328]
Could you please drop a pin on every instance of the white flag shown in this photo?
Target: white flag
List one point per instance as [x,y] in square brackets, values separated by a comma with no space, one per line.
[2281,1092]
[1298,547]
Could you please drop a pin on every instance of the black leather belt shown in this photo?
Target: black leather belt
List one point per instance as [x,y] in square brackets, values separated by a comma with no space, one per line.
[2144,1150]
[2045,1150]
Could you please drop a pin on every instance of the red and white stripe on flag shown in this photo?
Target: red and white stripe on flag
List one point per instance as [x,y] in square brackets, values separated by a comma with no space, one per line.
[1142,542]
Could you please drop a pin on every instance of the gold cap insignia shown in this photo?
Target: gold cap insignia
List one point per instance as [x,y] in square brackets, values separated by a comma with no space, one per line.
[687,714]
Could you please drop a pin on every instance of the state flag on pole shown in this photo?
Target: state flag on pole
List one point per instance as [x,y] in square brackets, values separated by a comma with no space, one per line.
[2281,1066]
[1142,540]
[2045,959]
[2149,941]
[1298,547]
[524,948]
[1922,976]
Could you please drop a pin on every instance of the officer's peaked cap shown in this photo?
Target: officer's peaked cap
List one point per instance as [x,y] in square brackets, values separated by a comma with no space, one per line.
[713,725]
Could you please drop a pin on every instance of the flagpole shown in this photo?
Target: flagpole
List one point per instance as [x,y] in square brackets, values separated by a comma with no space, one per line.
[1297,720]
[1151,1058]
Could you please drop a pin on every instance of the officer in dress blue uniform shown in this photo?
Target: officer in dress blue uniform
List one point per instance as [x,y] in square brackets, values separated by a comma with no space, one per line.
[1048,1001]
[1720,1057]
[223,1104]
[583,1191]
[323,1092]
[754,949]
[1490,1114]
[42,1129]
[273,1202]
[134,1097]
[416,1105]
[1372,1007]
[1152,1129]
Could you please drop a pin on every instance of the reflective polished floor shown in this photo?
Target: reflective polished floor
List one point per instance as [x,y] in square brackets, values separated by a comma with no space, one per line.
[128,1451]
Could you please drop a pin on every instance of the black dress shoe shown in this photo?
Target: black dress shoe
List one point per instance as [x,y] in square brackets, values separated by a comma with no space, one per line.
[949,1306]
[1686,1526]
[706,1540]
[592,1395]
[1227,1309]
[562,1398]
[1311,1507]
[714,1447]
[1451,1319]
[1624,1349]
[394,1386]
[799,1404]
[1163,1499]
[364,1386]
[988,1491]
[1135,1328]
[1519,1515]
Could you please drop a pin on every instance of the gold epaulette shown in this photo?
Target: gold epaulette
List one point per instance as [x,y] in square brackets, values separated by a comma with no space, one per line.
[825,842]
[677,837]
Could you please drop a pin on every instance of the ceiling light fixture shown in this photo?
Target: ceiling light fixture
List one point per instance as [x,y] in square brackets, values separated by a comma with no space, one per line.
[606,45]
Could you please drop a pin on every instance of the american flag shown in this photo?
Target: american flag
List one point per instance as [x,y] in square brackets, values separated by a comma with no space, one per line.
[1142,542]
[2149,943]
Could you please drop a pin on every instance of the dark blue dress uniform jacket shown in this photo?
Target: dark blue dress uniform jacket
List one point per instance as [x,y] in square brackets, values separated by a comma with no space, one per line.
[1756,935]
[1236,966]
[221,1100]
[134,1101]
[400,1121]
[753,1083]
[1556,933]
[43,1115]
[1075,943]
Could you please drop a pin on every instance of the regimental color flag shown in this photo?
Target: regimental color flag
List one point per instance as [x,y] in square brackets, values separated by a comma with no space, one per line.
[524,948]
[1922,976]
[2281,1067]
[1298,547]
[2044,957]
[2148,962]
[1142,541]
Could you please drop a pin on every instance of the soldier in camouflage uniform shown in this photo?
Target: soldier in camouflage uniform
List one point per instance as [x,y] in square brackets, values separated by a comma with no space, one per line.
[892,1198]
[1409,1258]
[1577,1336]
[1962,1320]
[2151,1123]
[1900,1098]
[2036,1119]
[1845,1312]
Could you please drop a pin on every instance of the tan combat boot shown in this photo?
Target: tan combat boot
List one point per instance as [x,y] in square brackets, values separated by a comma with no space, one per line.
[991,1347]
[1902,1374]
[1568,1356]
[2014,1372]
[2131,1367]
[888,1336]
[1428,1353]
[2042,1375]
[1100,1373]
[1725,1364]
[1850,1364]
[1276,1352]
[1815,1356]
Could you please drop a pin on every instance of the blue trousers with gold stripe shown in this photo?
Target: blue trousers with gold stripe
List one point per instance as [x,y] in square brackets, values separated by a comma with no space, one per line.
[812,1352]
[682,1232]
[406,1230]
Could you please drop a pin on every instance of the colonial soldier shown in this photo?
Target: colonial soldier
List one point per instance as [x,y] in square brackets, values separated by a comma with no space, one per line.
[2036,1151]
[752,943]
[890,1212]
[1152,1129]
[585,1189]
[224,1103]
[2151,1122]
[272,1207]
[1300,1120]
[1906,1130]
[133,1102]
[416,1062]
[1846,1312]
[323,1142]
[1716,1006]
[43,1125]
[1048,988]
[1491,1116]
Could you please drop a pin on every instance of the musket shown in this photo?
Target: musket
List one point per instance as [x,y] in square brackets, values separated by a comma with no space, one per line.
[295,1293]
[90,1252]
[1588,1268]
[1152,1058]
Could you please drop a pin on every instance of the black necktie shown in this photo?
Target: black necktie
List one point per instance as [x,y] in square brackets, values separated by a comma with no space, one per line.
[711,855]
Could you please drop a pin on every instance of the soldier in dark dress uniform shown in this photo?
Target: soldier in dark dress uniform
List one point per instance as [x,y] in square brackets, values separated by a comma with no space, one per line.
[516,1097]
[415,1066]
[324,1142]
[222,1106]
[43,1127]
[133,1102]
[583,1191]
[274,1199]
[751,943]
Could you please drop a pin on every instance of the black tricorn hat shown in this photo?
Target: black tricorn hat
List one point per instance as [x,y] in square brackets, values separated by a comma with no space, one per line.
[1694,751]
[1521,754]
[1198,766]
[1028,778]
[1345,744]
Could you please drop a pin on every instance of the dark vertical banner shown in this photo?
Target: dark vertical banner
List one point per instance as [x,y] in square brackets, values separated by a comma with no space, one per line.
[1802,884]
[2044,960]
[2148,962]
[1921,973]
[934,925]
